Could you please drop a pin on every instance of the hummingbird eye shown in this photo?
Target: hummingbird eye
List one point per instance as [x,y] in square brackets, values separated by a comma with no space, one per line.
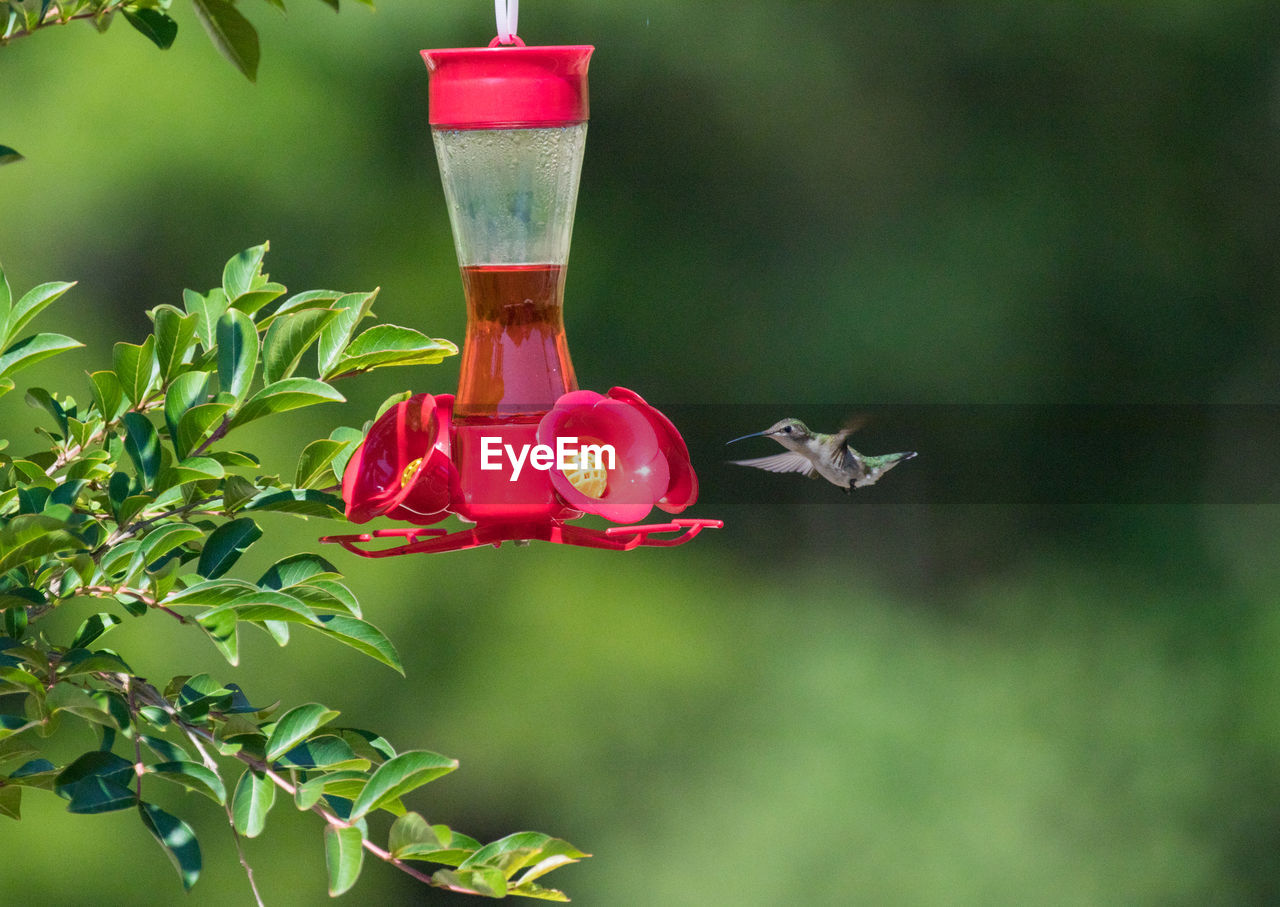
[786,429]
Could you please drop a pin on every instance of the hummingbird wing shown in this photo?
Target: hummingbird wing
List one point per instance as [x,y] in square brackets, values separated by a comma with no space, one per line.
[790,461]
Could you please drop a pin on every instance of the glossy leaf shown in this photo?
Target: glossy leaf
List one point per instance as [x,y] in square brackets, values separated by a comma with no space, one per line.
[175,334]
[254,796]
[313,464]
[483,881]
[231,33]
[197,425]
[159,29]
[142,444]
[327,752]
[222,628]
[303,501]
[386,345]
[10,794]
[241,271]
[352,308]
[108,394]
[28,537]
[295,726]
[225,546]
[207,309]
[343,855]
[32,303]
[193,776]
[397,777]
[137,368]
[33,349]
[363,637]
[282,396]
[177,839]
[298,568]
[514,852]
[288,338]
[93,627]
[237,352]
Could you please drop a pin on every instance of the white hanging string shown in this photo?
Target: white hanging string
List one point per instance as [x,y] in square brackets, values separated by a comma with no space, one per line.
[507,12]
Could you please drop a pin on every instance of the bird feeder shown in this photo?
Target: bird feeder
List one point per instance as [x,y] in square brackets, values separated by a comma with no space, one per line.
[520,451]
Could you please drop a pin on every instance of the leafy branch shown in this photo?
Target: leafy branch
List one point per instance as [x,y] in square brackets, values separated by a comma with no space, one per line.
[136,502]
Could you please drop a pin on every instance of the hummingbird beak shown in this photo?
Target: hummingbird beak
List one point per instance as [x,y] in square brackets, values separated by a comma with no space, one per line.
[754,434]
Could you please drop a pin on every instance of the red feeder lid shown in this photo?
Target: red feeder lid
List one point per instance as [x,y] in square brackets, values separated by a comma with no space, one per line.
[508,86]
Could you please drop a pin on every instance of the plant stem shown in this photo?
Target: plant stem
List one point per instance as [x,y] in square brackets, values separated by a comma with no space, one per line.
[197,735]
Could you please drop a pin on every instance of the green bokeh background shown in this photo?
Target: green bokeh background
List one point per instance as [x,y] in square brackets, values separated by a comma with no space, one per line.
[1039,242]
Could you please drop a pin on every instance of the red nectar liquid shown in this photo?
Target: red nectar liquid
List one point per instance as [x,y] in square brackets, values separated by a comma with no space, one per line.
[515,359]
[515,365]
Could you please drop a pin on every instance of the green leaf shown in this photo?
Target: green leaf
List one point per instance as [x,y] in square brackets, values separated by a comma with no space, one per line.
[31,536]
[165,539]
[93,627]
[32,303]
[159,28]
[186,391]
[8,155]
[304,501]
[237,352]
[175,335]
[251,802]
[177,839]
[483,881]
[343,855]
[363,637]
[264,604]
[192,469]
[327,595]
[288,338]
[324,752]
[33,349]
[311,299]
[297,568]
[530,890]
[137,368]
[108,395]
[514,852]
[295,726]
[225,546]
[412,832]
[197,424]
[142,444]
[223,630]
[95,783]
[242,271]
[39,398]
[192,776]
[207,309]
[281,396]
[10,795]
[386,345]
[313,464]
[231,34]
[397,777]
[352,308]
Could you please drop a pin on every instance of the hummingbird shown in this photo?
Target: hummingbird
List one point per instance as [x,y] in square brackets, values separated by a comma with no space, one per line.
[814,454]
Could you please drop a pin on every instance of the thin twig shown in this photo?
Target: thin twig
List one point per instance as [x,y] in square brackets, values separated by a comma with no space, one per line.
[196,734]
[149,600]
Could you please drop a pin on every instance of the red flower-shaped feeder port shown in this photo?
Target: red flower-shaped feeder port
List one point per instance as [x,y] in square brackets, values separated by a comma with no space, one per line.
[613,456]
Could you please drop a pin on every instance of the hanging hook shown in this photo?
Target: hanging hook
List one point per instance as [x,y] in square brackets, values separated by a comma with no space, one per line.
[507,12]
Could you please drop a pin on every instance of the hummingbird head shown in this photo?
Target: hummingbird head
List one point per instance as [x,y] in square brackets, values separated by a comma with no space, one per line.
[790,433]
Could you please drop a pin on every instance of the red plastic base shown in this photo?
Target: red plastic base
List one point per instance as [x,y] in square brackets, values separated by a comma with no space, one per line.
[420,540]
